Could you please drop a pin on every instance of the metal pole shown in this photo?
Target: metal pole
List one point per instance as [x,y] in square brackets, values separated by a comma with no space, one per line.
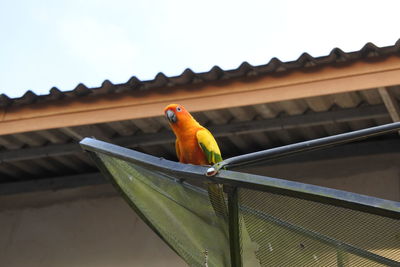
[234,227]
[304,146]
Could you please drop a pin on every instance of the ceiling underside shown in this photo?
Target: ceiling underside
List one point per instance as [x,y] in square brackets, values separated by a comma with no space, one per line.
[55,153]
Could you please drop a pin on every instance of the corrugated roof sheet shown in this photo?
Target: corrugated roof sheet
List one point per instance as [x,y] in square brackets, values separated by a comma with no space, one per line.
[336,57]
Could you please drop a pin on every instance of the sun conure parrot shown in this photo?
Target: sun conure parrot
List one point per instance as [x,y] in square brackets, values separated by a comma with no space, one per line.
[196,145]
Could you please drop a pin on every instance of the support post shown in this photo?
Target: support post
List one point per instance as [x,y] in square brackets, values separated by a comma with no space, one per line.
[234,226]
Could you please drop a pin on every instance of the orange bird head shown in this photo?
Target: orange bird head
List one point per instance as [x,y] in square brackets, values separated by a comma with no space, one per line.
[179,118]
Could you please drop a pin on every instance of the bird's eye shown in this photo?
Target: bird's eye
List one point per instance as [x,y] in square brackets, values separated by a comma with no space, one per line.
[179,109]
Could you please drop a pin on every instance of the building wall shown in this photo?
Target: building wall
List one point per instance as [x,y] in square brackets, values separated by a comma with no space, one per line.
[93,226]
[77,228]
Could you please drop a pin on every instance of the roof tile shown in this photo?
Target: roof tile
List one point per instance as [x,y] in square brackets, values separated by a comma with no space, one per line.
[335,57]
[29,97]
[56,93]
[5,101]
[81,90]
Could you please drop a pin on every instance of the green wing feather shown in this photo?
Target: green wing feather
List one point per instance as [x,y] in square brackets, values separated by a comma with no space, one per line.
[213,155]
[209,146]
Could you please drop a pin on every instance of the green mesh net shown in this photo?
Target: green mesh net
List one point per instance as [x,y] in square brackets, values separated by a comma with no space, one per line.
[271,222]
[295,232]
[181,213]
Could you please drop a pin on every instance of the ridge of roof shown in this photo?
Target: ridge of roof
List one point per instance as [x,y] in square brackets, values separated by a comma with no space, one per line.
[336,57]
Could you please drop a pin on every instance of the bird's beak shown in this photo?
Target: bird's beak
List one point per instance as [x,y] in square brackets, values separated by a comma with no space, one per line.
[171,116]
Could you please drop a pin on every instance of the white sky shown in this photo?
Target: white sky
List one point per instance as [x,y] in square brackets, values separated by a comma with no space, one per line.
[64,42]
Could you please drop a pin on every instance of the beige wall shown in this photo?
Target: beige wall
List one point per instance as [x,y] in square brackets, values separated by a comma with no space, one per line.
[77,228]
[93,226]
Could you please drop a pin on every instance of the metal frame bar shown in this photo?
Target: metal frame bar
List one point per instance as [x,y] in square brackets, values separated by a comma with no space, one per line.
[195,174]
[315,144]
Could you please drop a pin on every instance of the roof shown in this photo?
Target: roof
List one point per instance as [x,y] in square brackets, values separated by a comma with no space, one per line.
[337,57]
[50,156]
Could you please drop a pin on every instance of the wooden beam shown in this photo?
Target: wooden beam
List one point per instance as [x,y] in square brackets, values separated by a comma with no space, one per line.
[55,183]
[80,132]
[200,97]
[229,129]
[38,152]
[391,103]
[298,121]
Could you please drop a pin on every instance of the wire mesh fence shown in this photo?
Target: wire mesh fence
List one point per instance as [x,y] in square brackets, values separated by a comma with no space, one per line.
[271,222]
[180,213]
[290,231]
